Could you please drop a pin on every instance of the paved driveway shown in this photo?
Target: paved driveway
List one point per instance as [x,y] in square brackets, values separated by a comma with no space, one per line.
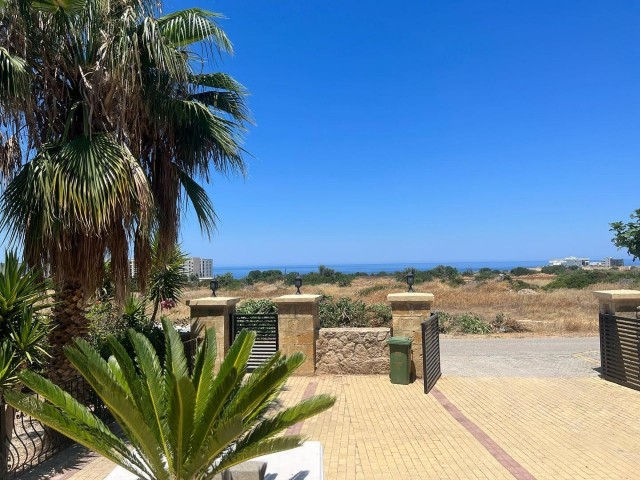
[520,357]
[489,417]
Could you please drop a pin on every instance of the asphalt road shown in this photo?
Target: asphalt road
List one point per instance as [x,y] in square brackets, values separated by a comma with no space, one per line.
[520,357]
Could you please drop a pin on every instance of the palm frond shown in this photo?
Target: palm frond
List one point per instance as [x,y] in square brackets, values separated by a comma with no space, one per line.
[14,79]
[194,25]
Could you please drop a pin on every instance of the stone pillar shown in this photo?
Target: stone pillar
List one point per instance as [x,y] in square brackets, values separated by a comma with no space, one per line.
[612,301]
[214,312]
[298,326]
[409,310]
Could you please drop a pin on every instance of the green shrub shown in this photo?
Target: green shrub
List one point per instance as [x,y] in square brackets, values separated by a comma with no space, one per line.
[379,315]
[104,320]
[264,276]
[346,312]
[263,305]
[579,279]
[519,271]
[473,324]
[343,312]
[487,274]
[463,323]
[554,269]
[446,274]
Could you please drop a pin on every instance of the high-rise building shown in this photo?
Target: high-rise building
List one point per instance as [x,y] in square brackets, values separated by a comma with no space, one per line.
[198,267]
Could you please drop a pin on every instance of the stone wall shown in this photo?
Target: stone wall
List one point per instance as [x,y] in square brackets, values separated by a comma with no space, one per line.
[353,351]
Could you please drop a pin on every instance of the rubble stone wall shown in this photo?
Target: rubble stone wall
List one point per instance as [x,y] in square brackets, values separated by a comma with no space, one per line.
[360,351]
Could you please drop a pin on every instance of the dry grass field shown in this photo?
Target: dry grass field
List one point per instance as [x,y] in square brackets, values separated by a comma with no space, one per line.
[558,312]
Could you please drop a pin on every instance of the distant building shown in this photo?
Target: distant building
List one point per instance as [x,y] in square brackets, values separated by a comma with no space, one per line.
[133,271]
[198,267]
[570,262]
[613,262]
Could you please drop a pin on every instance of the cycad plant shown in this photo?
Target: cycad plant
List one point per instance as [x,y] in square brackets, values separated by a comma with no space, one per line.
[177,425]
[23,327]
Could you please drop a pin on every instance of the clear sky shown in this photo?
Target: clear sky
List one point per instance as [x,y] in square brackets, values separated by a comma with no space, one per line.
[429,131]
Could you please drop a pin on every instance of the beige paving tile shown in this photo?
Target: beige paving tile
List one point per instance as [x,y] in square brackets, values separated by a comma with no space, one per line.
[582,428]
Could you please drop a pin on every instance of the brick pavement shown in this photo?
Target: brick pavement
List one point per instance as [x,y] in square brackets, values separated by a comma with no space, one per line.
[552,428]
[488,428]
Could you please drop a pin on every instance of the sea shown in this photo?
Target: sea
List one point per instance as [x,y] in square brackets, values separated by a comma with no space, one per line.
[373,268]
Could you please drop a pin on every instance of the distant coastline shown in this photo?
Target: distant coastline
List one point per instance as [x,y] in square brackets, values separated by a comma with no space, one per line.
[373,268]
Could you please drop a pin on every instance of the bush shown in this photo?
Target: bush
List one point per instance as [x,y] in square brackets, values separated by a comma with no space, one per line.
[446,274]
[519,271]
[346,312]
[265,276]
[343,312]
[322,276]
[554,269]
[579,279]
[487,274]
[104,320]
[471,323]
[263,305]
[462,323]
[379,315]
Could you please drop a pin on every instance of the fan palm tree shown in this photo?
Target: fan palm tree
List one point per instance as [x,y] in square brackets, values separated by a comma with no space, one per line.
[107,129]
[179,425]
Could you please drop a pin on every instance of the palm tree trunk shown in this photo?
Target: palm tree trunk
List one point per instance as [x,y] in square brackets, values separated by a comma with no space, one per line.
[70,322]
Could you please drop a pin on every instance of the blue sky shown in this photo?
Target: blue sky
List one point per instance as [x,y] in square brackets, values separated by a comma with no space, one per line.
[429,131]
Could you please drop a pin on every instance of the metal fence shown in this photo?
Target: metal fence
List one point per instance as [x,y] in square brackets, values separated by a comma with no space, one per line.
[266,327]
[620,349]
[430,352]
[26,443]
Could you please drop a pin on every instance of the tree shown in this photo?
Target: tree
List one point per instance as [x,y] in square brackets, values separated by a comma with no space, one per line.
[167,277]
[176,424]
[107,128]
[627,235]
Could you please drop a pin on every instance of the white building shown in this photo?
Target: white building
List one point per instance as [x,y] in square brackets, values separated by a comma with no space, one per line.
[198,267]
[133,271]
[569,262]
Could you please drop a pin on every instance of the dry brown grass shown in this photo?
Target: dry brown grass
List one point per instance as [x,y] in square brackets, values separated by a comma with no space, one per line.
[562,311]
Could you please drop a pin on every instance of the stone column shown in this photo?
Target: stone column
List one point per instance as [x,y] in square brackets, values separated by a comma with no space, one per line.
[298,326]
[612,301]
[214,312]
[409,310]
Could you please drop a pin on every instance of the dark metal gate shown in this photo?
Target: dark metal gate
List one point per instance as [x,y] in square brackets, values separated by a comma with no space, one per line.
[430,352]
[620,349]
[266,327]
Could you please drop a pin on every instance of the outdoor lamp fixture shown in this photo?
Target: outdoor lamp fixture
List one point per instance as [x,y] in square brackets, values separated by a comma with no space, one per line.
[410,277]
[298,284]
[213,285]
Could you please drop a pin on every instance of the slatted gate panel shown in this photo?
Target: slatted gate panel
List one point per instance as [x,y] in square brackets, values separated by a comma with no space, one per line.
[620,349]
[430,352]
[266,328]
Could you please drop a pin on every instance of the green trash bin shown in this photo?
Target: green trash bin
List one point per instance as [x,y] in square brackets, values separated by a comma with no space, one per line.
[400,360]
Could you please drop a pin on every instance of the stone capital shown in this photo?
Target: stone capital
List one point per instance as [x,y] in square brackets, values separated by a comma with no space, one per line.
[612,301]
[303,298]
[410,297]
[213,301]
[609,295]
